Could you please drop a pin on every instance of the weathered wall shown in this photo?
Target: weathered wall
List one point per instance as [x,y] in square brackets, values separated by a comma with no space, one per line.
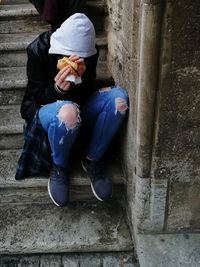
[176,155]
[154,53]
[123,57]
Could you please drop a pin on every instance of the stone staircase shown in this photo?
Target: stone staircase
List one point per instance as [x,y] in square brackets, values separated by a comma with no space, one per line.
[29,222]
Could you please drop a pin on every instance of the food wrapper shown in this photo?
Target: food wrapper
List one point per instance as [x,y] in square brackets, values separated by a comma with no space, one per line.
[74,79]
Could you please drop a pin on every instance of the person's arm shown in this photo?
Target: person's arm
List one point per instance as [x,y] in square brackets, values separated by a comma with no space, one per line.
[41,84]
[80,93]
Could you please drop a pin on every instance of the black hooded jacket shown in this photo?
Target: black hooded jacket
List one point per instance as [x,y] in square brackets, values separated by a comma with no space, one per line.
[41,71]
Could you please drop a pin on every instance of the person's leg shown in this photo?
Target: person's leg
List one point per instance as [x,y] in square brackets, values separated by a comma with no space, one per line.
[103,114]
[61,121]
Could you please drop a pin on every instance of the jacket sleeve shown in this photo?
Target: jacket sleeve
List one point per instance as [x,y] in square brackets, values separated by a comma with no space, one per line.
[40,87]
[40,81]
[80,93]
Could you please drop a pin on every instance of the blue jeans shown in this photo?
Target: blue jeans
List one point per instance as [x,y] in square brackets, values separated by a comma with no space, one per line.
[101,116]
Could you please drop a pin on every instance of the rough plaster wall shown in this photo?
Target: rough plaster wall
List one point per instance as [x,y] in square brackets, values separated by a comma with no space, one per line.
[168,200]
[123,58]
[176,155]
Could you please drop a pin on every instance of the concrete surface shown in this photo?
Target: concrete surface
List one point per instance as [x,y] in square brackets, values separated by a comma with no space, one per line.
[116,259]
[169,250]
[34,190]
[81,227]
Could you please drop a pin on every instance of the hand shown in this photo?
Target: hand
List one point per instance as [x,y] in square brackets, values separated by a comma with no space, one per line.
[60,78]
[81,64]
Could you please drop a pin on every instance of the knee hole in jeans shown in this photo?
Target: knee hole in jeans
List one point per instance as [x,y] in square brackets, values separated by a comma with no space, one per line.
[120,105]
[69,114]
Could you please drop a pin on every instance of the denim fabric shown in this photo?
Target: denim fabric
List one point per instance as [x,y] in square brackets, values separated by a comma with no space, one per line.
[101,116]
[100,121]
[60,136]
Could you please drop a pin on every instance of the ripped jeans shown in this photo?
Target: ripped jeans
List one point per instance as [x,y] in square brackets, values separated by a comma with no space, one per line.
[101,116]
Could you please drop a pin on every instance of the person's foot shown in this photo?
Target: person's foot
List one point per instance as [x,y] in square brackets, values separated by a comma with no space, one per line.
[58,186]
[100,183]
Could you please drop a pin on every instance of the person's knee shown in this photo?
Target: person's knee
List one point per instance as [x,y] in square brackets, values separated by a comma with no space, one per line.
[69,114]
[120,97]
[121,105]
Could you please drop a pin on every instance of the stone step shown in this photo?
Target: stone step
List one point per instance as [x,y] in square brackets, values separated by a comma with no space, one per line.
[20,10]
[21,18]
[80,227]
[24,17]
[34,190]
[10,120]
[13,82]
[12,85]
[109,259]
[26,9]
[13,48]
[97,12]
[15,2]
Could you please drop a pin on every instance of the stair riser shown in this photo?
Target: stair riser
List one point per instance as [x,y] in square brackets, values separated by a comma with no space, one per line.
[48,229]
[11,97]
[12,89]
[15,2]
[40,195]
[26,24]
[8,142]
[10,120]
[34,23]
[19,58]
[14,97]
[8,163]
[13,59]
[35,190]
[112,259]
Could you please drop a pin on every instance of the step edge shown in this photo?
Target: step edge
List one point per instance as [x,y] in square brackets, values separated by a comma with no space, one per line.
[29,10]
[101,41]
[85,249]
[42,182]
[21,83]
[24,11]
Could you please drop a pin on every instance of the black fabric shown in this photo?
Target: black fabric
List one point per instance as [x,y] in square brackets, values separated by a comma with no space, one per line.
[41,71]
[38,5]
[35,158]
[64,9]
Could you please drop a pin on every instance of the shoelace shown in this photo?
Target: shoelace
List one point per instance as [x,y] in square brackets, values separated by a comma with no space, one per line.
[57,175]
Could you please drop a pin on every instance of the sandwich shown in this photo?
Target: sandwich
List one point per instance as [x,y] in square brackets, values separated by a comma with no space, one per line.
[65,61]
[73,77]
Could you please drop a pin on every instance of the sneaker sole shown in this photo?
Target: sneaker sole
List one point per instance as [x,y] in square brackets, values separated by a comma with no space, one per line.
[93,191]
[49,192]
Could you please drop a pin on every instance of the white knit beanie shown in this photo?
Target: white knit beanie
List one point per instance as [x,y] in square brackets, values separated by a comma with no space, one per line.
[76,36]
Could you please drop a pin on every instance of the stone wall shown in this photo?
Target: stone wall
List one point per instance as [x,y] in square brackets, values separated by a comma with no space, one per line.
[123,57]
[176,155]
[154,53]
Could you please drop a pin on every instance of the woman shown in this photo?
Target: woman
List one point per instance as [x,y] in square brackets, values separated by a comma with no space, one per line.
[55,109]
